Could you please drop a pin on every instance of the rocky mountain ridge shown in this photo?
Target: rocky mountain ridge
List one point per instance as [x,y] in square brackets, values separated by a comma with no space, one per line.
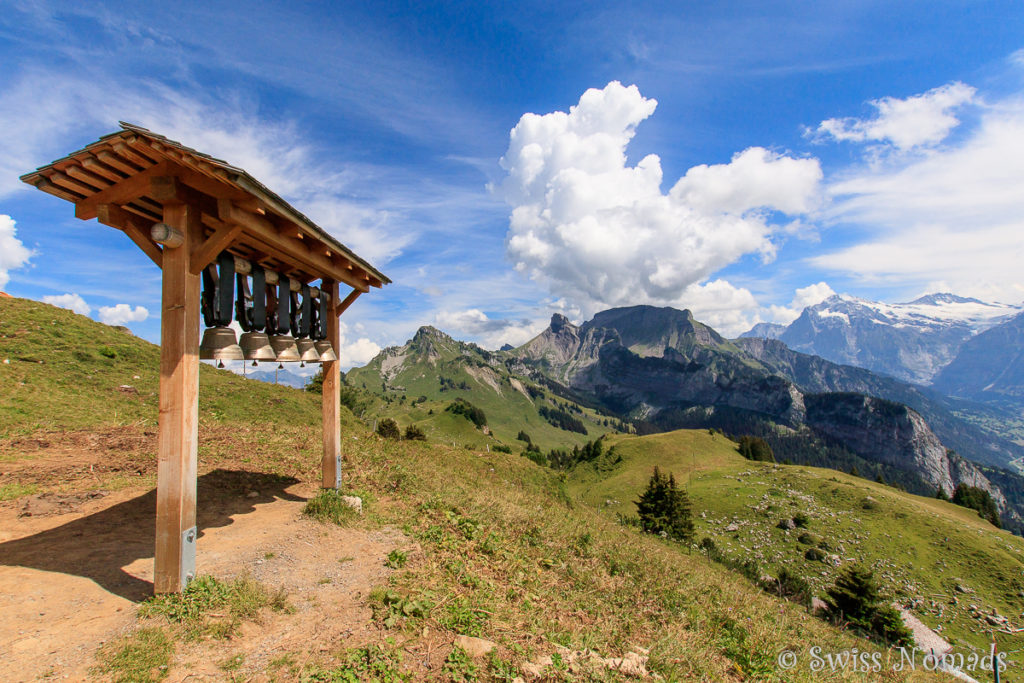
[911,341]
[614,358]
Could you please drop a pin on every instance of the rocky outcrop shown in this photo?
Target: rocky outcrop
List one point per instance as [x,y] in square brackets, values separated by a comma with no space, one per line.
[891,433]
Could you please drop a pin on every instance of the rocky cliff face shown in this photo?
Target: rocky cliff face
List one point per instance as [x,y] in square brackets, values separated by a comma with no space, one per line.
[894,434]
[817,375]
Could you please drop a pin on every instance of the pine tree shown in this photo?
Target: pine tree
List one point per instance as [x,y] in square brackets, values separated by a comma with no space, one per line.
[856,601]
[664,508]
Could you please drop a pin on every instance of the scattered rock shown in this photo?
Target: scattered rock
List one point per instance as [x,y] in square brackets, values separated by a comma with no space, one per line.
[788,524]
[354,502]
[474,647]
[127,389]
[253,494]
[732,527]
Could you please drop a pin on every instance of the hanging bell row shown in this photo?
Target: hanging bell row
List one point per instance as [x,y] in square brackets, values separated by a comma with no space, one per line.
[277,324]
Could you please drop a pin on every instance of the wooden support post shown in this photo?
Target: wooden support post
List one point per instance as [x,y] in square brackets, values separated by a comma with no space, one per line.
[331,464]
[176,530]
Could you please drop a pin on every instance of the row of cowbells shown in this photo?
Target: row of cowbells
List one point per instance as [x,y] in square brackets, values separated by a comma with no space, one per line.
[219,344]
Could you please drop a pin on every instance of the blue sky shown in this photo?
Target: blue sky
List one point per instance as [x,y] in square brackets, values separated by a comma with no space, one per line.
[742,159]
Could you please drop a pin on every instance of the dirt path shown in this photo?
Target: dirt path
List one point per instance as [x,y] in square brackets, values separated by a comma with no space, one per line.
[73,566]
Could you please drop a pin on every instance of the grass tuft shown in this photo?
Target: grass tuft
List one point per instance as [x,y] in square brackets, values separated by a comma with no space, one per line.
[140,657]
[215,608]
[328,507]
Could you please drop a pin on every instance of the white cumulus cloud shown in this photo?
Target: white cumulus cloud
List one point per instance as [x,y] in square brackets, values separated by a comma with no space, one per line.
[601,233]
[919,120]
[357,352]
[13,254]
[72,302]
[122,313]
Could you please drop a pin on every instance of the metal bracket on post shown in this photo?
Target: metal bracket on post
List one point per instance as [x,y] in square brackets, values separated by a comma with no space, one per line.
[337,472]
[187,570]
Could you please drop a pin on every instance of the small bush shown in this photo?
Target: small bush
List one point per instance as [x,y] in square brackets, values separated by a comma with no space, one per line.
[801,520]
[856,602]
[814,555]
[414,433]
[808,538]
[501,448]
[793,587]
[397,559]
[388,429]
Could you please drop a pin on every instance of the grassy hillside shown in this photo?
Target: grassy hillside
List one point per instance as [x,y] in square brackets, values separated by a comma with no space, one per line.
[61,370]
[441,370]
[501,550]
[923,548]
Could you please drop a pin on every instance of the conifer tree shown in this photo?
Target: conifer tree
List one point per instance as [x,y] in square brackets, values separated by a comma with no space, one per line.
[856,601]
[664,508]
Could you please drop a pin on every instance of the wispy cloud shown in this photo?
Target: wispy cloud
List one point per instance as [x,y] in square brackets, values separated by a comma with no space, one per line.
[952,216]
[917,121]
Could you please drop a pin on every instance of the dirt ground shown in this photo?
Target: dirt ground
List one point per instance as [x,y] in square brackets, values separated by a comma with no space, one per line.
[75,563]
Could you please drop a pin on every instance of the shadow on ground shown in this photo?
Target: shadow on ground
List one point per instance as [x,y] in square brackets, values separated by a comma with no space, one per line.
[98,545]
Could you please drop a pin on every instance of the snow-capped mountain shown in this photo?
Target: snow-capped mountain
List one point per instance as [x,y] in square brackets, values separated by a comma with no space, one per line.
[912,341]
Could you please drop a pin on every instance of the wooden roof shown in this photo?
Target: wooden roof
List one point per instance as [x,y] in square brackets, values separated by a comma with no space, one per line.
[124,179]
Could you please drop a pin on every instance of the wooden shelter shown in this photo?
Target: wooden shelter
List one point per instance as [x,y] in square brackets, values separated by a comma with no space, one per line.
[183,208]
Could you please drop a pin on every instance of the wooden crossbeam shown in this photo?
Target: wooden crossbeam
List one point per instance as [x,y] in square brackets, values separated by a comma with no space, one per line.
[116,217]
[348,301]
[220,240]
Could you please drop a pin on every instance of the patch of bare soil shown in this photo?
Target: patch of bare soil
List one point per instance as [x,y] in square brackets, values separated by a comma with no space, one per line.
[74,565]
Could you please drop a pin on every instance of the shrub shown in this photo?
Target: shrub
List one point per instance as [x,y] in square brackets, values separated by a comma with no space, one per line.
[814,555]
[792,587]
[856,601]
[414,433]
[388,429]
[801,520]
[665,509]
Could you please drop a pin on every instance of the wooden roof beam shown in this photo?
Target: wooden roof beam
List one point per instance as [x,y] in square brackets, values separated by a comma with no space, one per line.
[261,228]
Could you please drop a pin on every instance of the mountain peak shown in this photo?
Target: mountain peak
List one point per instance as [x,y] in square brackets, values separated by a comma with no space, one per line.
[943,298]
[559,322]
[429,332]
